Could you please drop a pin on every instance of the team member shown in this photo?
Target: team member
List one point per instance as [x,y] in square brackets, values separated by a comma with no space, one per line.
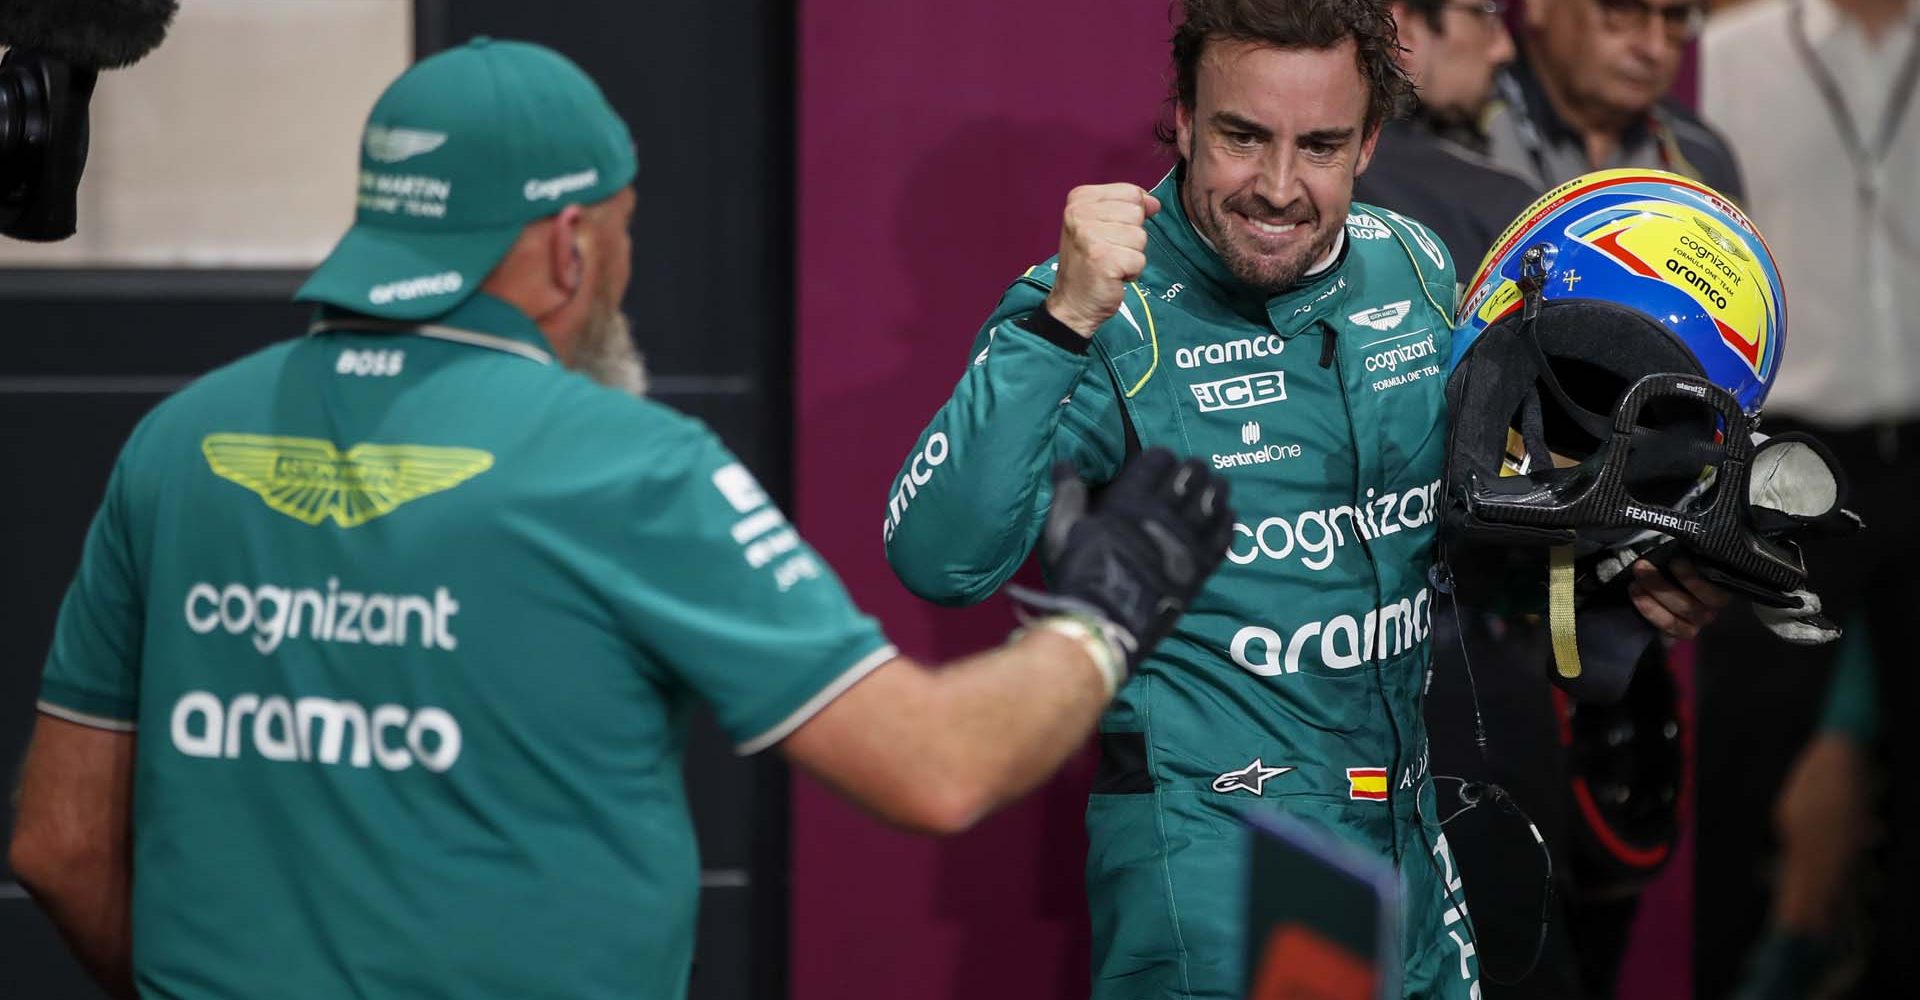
[1433,165]
[374,678]
[1242,312]
[1819,98]
[1589,92]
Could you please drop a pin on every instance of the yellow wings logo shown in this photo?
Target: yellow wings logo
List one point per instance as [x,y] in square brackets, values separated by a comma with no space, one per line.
[309,480]
[1721,239]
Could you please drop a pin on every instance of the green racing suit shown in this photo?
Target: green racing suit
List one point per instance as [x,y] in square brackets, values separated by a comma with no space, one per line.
[1295,680]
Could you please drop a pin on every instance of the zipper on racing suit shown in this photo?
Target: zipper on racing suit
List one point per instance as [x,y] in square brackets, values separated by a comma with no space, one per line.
[1330,358]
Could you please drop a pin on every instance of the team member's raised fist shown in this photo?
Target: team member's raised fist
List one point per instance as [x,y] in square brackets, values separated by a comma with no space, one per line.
[1103,245]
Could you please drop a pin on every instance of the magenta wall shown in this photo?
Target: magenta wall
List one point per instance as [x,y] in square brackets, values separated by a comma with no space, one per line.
[936,145]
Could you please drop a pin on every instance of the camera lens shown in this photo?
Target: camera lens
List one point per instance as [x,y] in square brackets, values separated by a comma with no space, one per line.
[10,115]
[13,156]
[23,133]
[20,127]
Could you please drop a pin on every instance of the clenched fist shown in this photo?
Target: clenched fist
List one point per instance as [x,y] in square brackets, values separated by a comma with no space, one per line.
[1103,245]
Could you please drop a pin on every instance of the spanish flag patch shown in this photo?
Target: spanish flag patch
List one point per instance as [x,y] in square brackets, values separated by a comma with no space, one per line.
[1368,783]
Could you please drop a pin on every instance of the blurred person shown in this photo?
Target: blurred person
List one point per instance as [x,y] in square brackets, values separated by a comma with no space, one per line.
[1433,164]
[1817,97]
[374,677]
[1589,91]
[1247,311]
[1435,167]
[1826,824]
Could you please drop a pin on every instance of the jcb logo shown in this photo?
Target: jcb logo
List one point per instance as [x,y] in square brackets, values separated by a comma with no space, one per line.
[1257,389]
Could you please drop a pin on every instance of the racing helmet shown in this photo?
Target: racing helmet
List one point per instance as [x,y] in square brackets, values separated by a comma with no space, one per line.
[1631,261]
[1610,360]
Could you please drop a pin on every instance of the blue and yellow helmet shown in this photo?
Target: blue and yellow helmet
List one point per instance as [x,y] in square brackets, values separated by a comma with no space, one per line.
[1664,246]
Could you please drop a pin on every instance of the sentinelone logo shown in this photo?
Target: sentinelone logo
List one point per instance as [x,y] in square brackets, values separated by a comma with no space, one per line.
[1250,436]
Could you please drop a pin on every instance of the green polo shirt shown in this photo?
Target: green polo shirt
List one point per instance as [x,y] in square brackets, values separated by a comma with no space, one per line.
[408,623]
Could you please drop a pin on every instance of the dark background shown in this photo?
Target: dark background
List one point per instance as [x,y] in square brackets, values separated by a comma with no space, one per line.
[706,86]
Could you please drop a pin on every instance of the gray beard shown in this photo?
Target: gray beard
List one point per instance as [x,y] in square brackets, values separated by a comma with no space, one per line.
[607,355]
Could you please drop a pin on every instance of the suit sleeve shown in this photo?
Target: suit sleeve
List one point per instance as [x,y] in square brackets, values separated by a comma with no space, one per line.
[92,673]
[973,493]
[720,588]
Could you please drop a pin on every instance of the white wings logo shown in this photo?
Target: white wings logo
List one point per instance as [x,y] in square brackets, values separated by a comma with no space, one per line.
[1383,317]
[391,145]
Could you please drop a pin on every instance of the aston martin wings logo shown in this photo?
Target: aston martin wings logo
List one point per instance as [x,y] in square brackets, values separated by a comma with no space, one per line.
[1720,239]
[1385,317]
[391,145]
[310,480]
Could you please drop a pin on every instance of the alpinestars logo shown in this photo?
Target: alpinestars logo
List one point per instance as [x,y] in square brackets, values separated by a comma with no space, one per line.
[1252,778]
[311,480]
[393,144]
[1385,317]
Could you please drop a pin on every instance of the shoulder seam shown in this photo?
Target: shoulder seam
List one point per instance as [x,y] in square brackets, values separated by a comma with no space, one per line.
[1410,227]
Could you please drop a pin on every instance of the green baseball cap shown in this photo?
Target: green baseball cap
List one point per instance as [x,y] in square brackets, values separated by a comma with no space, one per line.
[459,154]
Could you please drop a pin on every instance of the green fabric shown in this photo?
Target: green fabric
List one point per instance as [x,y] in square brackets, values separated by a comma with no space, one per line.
[1309,649]
[1852,696]
[410,625]
[459,153]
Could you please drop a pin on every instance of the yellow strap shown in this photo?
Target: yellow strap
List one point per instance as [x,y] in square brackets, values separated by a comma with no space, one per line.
[1151,333]
[1566,651]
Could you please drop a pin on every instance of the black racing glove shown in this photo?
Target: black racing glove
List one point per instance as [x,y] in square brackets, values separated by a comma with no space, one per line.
[1134,557]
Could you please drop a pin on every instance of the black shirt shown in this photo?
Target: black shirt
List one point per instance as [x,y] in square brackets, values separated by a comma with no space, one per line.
[1458,193]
